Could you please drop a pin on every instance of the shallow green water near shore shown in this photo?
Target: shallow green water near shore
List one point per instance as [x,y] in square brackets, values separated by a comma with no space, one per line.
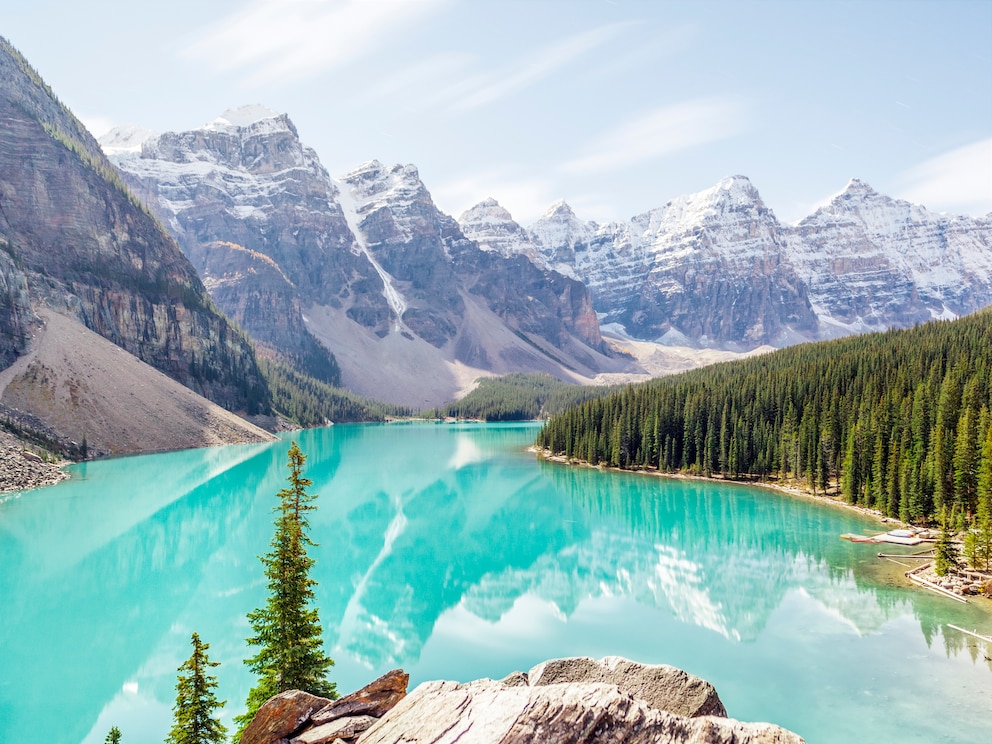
[449,551]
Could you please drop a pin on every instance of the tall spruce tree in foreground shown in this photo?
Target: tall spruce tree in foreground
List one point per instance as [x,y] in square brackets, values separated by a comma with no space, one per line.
[114,735]
[287,630]
[195,701]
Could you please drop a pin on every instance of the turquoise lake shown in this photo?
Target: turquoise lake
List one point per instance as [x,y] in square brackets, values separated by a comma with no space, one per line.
[452,552]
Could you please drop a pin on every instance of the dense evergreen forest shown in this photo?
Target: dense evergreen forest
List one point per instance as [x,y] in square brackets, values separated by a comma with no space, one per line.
[310,402]
[897,421]
[519,397]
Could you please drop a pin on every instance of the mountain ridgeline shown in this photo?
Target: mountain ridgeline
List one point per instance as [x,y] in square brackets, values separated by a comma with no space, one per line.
[357,280]
[899,421]
[718,269]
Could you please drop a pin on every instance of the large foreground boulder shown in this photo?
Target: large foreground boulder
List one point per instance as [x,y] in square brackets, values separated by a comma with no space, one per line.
[301,718]
[281,716]
[562,701]
[659,685]
[488,712]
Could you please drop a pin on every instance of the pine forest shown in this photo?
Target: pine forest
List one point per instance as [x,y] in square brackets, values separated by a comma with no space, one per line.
[899,421]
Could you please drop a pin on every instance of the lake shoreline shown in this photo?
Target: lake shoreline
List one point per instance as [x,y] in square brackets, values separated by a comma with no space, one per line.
[886,523]
[22,469]
[791,490]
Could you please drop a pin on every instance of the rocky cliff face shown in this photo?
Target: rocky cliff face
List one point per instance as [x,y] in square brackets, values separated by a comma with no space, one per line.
[77,241]
[250,286]
[245,186]
[872,262]
[417,244]
[718,269]
[368,266]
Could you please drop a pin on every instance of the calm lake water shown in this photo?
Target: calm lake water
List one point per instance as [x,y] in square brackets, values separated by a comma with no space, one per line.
[451,552]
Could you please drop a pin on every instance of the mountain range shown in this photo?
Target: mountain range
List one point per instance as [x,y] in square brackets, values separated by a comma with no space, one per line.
[361,280]
[718,269]
[714,270]
[156,243]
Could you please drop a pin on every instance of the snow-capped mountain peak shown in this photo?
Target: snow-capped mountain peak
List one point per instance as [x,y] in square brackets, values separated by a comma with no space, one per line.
[494,229]
[373,185]
[560,210]
[717,268]
[560,226]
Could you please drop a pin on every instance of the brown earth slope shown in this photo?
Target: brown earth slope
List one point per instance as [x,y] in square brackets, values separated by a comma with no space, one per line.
[85,386]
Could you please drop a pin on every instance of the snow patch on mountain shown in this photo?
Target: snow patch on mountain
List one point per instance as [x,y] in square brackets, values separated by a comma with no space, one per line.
[394,298]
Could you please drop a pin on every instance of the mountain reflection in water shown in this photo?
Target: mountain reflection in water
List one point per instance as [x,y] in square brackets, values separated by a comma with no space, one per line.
[451,552]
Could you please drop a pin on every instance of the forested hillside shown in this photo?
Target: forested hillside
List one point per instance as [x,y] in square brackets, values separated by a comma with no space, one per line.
[898,421]
[520,397]
[308,401]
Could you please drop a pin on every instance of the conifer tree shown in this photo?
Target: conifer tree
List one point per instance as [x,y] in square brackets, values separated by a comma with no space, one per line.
[287,629]
[193,714]
[114,735]
[945,554]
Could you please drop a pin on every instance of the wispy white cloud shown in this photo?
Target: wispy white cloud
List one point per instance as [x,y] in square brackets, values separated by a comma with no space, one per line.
[273,40]
[959,181]
[415,83]
[485,89]
[661,132]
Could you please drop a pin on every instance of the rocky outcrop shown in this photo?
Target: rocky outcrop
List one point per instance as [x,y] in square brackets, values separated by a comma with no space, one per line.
[296,717]
[21,469]
[566,701]
[486,712]
[79,243]
[659,685]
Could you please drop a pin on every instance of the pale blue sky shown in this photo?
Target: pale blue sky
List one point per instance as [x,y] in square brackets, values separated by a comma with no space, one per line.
[615,106]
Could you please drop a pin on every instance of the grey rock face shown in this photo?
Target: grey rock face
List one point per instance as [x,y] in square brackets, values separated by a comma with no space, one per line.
[80,243]
[486,712]
[661,686]
[255,186]
[252,288]
[372,249]
[566,701]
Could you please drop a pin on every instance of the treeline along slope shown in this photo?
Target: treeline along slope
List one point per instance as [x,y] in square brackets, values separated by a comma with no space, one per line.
[898,421]
[520,396]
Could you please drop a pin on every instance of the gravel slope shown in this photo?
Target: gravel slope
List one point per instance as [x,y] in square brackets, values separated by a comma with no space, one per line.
[82,385]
